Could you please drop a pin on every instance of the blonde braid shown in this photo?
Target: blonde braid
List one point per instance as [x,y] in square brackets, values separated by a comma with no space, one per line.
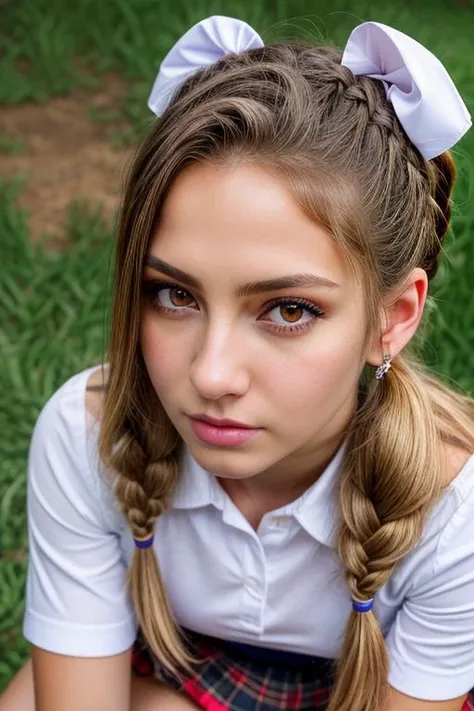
[390,478]
[143,489]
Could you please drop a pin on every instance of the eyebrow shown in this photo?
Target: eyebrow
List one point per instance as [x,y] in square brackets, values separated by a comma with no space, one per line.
[250,289]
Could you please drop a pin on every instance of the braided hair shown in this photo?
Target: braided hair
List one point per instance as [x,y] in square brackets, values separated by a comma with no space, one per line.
[336,141]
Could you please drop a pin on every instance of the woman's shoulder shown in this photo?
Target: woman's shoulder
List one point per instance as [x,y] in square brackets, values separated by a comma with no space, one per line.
[454,514]
[63,454]
[79,394]
[76,405]
[457,476]
[96,381]
[446,545]
[455,460]
[67,417]
[77,560]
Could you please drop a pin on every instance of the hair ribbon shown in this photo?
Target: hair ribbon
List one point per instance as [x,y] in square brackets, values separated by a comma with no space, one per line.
[202,45]
[423,95]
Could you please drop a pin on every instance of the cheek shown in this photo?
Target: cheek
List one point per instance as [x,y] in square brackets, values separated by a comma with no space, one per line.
[159,354]
[318,379]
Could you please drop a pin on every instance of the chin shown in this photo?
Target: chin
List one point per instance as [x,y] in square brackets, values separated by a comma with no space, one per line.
[228,462]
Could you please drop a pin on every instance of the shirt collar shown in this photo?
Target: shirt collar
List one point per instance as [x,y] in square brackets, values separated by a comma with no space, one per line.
[196,486]
[317,509]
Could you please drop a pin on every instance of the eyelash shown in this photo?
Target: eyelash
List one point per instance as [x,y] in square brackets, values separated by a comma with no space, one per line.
[152,289]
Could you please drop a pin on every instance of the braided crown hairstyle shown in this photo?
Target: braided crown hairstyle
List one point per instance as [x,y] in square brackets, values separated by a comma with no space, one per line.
[335,139]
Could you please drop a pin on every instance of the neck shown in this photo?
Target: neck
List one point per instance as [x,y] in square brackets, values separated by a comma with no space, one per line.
[279,485]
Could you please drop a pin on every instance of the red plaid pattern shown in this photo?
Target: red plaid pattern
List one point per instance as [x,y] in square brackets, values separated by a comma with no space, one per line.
[469,703]
[225,682]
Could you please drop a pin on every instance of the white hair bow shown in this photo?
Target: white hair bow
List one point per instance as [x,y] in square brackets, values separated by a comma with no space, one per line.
[202,45]
[424,97]
[422,93]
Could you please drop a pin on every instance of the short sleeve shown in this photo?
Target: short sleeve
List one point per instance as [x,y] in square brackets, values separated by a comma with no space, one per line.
[77,602]
[431,642]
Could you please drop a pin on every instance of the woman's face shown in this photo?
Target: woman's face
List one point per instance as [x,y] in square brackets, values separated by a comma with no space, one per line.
[249,314]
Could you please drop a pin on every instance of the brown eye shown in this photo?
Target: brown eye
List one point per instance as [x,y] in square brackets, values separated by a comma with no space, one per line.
[289,315]
[180,297]
[168,297]
[291,312]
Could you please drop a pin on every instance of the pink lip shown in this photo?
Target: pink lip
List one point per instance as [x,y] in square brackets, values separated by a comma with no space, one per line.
[222,433]
[225,422]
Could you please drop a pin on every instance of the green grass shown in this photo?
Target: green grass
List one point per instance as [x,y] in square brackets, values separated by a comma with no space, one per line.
[53,322]
[53,319]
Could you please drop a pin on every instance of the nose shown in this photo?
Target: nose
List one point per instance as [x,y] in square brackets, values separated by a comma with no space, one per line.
[218,368]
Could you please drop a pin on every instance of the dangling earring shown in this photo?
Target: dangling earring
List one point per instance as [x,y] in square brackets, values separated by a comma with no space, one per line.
[384,368]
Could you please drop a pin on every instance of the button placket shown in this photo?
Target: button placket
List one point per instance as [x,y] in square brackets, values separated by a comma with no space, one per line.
[254,586]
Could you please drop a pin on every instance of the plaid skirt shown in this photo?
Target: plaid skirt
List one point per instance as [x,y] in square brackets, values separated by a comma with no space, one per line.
[235,677]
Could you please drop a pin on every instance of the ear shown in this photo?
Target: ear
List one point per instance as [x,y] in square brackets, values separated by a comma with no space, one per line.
[402,312]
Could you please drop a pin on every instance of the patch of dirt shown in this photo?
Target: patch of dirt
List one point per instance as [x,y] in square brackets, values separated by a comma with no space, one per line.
[67,156]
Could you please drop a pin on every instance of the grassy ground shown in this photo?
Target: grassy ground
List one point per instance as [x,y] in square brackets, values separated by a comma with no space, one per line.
[54,305]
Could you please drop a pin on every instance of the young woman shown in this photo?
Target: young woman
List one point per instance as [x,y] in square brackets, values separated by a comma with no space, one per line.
[289,491]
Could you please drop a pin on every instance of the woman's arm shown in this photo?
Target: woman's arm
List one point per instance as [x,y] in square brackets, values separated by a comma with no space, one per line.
[430,643]
[147,693]
[81,683]
[77,599]
[401,702]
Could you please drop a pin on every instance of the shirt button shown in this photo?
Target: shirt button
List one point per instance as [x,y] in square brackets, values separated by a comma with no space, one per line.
[280,520]
[252,584]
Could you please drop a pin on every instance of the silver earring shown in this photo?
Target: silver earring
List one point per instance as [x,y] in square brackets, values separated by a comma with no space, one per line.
[384,368]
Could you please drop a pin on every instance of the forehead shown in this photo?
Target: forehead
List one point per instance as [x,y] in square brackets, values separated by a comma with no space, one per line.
[241,220]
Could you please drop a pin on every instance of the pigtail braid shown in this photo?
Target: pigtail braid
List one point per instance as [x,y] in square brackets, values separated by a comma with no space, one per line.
[147,471]
[389,480]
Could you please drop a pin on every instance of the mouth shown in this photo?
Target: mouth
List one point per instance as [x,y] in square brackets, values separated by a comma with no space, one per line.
[221,432]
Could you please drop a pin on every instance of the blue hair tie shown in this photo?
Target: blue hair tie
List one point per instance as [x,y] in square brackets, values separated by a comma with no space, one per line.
[359,606]
[144,542]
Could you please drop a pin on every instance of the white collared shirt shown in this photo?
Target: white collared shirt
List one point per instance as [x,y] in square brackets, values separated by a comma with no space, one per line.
[280,587]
